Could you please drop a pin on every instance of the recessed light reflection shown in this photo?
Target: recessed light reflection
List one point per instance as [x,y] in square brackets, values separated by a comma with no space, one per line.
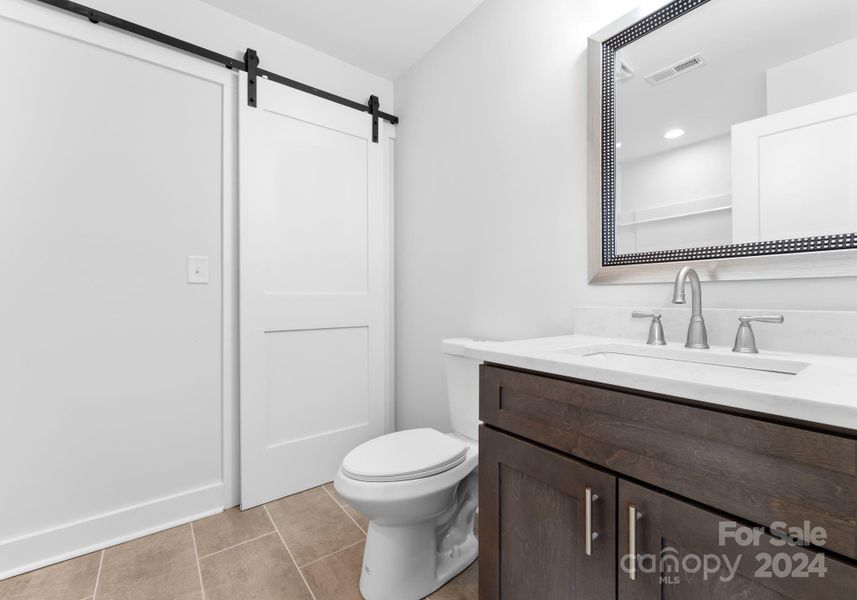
[673,134]
[618,145]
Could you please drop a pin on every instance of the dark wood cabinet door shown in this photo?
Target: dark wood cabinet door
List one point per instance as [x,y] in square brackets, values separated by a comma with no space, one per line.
[533,527]
[684,552]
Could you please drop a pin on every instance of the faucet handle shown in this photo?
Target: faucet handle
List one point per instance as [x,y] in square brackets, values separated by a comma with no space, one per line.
[656,329]
[764,319]
[745,340]
[639,314]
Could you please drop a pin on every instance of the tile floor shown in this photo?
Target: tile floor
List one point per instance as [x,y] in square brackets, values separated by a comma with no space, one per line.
[304,547]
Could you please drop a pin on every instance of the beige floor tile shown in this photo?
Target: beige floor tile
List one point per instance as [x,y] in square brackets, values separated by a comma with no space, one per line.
[313,525]
[463,587]
[329,487]
[337,577]
[362,521]
[230,528]
[70,580]
[157,567]
[258,570]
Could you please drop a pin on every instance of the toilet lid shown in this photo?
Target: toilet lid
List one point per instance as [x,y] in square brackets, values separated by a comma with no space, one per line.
[404,455]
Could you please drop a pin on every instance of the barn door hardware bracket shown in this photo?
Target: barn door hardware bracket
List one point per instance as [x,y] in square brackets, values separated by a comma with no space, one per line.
[250,64]
[251,59]
[374,109]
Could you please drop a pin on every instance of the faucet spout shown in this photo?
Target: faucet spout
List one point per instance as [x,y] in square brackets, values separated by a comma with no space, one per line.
[697,336]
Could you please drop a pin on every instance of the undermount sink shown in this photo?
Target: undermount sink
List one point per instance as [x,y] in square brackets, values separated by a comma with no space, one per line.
[653,357]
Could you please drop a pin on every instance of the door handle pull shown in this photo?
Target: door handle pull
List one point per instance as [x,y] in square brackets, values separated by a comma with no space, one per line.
[634,515]
[589,534]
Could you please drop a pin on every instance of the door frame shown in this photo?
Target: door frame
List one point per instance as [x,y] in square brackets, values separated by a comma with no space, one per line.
[388,134]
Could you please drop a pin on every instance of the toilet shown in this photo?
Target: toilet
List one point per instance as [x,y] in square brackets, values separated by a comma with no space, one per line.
[418,489]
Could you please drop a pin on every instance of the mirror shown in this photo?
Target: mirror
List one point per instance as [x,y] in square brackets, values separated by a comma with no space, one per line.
[734,130]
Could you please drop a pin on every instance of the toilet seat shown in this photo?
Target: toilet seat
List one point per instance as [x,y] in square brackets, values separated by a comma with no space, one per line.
[404,455]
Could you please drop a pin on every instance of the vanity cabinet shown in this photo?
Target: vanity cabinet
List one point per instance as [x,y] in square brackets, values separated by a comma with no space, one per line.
[677,470]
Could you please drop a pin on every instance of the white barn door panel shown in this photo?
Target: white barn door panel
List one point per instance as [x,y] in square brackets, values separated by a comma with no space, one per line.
[315,309]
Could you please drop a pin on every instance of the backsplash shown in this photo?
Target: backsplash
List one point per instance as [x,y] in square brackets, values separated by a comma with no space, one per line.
[804,331]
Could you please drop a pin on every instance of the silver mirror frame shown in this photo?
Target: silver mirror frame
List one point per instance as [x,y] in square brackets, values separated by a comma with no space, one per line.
[824,256]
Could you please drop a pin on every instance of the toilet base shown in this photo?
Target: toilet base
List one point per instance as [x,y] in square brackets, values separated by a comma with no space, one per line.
[409,562]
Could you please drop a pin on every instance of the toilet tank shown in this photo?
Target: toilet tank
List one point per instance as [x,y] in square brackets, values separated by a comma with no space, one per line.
[462,388]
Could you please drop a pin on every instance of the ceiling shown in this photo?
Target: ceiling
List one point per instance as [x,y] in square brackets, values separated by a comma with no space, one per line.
[384,37]
[740,41]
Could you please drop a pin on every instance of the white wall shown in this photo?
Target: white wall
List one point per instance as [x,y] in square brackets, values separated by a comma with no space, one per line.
[117,382]
[683,174]
[681,179]
[818,76]
[491,195]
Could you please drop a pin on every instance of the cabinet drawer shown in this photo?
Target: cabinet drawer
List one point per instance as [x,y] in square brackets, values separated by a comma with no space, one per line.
[759,471]
[683,551]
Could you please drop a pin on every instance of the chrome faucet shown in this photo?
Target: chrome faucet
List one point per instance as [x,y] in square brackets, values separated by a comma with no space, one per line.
[697,336]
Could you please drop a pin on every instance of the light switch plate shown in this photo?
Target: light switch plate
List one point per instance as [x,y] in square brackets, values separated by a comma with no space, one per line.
[197,269]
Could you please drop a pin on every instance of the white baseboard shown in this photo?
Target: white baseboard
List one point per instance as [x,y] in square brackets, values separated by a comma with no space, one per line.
[32,551]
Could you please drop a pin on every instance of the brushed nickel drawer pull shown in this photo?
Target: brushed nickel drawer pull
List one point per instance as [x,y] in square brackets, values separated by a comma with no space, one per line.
[590,535]
[633,516]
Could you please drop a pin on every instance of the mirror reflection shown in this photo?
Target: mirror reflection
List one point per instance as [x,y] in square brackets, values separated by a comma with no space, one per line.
[738,130]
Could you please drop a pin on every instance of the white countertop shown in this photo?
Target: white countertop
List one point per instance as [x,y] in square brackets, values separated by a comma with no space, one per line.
[824,392]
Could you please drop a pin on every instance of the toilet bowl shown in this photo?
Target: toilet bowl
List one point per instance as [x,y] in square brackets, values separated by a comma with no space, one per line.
[418,489]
